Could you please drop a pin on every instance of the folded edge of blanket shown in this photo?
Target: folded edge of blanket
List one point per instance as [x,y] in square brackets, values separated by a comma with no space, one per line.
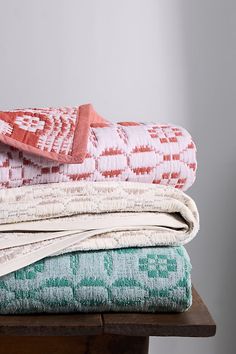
[154,279]
[24,128]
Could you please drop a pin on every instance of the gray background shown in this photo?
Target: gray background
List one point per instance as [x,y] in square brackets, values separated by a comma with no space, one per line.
[150,60]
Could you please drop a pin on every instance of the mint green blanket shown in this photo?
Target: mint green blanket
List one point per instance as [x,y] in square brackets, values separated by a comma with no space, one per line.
[132,279]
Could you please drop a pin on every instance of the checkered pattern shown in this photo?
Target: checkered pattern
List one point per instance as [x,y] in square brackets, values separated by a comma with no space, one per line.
[151,153]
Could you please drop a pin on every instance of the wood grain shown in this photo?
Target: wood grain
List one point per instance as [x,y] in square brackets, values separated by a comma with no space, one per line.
[51,325]
[104,344]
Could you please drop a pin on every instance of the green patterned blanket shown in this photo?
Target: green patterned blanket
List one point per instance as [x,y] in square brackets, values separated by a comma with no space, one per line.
[132,279]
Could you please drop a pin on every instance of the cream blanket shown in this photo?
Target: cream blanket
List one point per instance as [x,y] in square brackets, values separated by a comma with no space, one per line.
[44,220]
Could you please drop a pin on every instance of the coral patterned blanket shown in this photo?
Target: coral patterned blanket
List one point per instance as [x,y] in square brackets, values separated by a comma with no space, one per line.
[71,144]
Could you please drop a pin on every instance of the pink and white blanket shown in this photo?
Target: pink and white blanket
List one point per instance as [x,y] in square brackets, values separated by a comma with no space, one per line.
[71,144]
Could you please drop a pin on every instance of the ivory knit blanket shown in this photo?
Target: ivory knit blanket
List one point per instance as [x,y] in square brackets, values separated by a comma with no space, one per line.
[70,144]
[41,221]
[132,279]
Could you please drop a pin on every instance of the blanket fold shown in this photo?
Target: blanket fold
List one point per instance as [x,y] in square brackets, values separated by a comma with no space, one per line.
[37,222]
[59,134]
[133,279]
[48,145]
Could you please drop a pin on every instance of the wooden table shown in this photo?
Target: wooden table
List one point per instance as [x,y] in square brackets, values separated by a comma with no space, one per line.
[123,333]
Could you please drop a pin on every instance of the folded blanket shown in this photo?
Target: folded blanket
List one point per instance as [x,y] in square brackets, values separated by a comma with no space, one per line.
[41,221]
[133,279]
[70,144]
[60,134]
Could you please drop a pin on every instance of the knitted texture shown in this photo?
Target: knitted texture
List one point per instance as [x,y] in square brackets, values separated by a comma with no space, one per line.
[89,216]
[133,279]
[151,153]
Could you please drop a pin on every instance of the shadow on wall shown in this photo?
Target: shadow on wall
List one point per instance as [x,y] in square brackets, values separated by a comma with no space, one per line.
[209,29]
[209,32]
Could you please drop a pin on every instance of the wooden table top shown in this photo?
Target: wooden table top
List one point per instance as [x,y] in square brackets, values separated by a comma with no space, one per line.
[196,322]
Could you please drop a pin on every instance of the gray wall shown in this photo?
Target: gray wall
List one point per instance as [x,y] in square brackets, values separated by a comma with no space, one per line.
[153,60]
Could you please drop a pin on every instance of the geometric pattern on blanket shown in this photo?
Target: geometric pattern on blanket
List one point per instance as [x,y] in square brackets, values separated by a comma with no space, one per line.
[133,279]
[60,134]
[93,201]
[151,153]
[105,214]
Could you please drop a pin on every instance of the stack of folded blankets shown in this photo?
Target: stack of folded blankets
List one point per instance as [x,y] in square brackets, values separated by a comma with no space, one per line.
[93,217]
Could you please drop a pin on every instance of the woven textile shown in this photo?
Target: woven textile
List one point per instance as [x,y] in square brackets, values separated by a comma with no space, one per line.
[36,221]
[152,153]
[133,279]
[60,134]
